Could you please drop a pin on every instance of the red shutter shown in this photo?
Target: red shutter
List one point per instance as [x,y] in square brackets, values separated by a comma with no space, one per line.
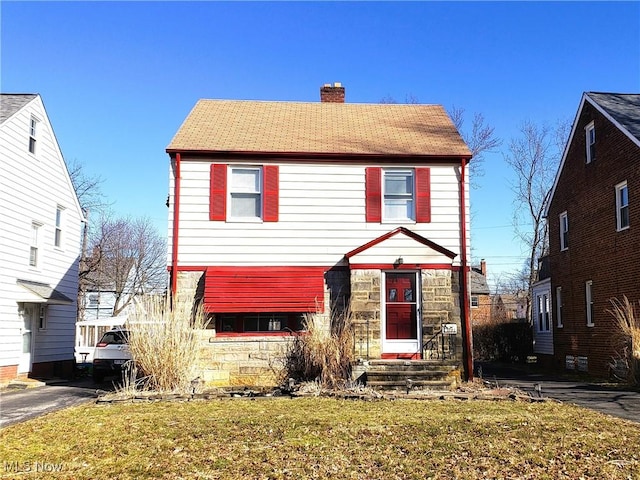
[218,193]
[271,193]
[423,195]
[373,194]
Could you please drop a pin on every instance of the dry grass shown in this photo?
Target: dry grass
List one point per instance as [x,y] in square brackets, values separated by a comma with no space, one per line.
[326,438]
[627,341]
[164,344]
[324,353]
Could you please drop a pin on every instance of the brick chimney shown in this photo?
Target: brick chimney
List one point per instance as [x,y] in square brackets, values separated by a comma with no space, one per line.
[332,93]
[483,267]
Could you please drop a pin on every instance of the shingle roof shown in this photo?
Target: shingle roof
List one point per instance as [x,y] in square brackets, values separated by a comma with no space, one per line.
[623,107]
[318,128]
[478,283]
[10,103]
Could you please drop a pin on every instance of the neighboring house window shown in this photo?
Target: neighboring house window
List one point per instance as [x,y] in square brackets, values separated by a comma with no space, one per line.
[475,303]
[588,290]
[58,231]
[622,206]
[559,306]
[564,231]
[42,318]
[544,323]
[397,195]
[33,128]
[34,248]
[250,192]
[590,131]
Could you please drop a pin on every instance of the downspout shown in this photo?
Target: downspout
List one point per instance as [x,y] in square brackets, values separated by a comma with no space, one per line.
[466,313]
[176,222]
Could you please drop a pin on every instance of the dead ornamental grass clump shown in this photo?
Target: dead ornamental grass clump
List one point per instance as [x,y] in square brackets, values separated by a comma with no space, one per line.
[323,353]
[627,341]
[164,344]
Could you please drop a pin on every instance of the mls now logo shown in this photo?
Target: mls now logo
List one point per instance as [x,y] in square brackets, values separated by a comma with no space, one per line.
[37,467]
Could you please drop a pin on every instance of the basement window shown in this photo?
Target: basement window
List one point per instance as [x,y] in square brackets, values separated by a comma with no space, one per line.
[263,323]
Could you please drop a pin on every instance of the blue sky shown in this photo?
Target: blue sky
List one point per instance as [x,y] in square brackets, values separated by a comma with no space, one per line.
[118,78]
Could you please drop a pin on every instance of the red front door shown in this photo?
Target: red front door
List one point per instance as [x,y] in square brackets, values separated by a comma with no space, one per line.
[401,320]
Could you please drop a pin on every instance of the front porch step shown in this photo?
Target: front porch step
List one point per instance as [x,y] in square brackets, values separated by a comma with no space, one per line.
[397,374]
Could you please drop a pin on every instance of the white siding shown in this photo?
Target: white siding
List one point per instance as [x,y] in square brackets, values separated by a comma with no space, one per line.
[31,188]
[321,218]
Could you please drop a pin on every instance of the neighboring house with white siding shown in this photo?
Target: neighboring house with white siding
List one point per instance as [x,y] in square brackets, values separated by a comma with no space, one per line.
[279,209]
[40,221]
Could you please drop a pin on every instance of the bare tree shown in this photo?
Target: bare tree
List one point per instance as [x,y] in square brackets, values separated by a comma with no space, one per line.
[534,157]
[87,187]
[481,139]
[128,258]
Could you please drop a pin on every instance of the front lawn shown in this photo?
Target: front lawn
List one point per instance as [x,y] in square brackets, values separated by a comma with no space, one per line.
[323,438]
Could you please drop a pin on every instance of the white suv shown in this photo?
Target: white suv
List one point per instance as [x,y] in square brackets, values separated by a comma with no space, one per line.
[111,353]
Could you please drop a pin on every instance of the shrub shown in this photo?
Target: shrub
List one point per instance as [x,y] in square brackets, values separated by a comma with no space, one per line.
[322,353]
[164,342]
[506,342]
[627,340]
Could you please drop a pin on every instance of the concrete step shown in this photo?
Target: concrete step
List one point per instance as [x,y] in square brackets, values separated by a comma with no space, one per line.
[432,384]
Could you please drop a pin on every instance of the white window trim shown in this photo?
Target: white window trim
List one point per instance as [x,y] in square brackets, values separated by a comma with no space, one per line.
[559,307]
[619,206]
[413,196]
[42,317]
[33,135]
[564,222]
[35,231]
[477,301]
[588,294]
[230,192]
[588,129]
[58,228]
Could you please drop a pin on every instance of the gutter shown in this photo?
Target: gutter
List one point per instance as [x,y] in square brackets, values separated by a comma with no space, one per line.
[176,223]
[466,301]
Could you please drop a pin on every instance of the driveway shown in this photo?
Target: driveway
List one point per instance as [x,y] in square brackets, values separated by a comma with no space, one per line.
[611,399]
[20,405]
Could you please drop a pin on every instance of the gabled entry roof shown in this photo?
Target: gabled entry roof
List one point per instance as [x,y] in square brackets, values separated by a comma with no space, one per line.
[401,249]
[36,292]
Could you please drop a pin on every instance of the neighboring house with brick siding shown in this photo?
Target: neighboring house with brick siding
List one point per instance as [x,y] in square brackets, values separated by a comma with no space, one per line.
[594,232]
[281,209]
[480,295]
[40,220]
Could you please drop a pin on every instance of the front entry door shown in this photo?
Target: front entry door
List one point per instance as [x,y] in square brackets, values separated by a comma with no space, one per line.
[401,301]
[28,314]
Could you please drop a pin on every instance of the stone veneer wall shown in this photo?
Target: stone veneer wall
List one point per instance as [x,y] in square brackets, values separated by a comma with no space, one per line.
[440,304]
[255,360]
[365,311]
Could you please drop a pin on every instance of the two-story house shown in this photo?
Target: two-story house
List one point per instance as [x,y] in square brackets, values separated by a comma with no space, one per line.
[594,233]
[278,209]
[40,225]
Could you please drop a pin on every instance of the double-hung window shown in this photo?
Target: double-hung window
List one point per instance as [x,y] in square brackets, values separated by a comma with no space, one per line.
[245,193]
[564,231]
[559,306]
[590,131]
[544,324]
[398,195]
[622,206]
[33,127]
[34,247]
[588,295]
[57,239]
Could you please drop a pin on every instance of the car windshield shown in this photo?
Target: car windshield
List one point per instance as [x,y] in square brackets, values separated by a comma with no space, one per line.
[118,337]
